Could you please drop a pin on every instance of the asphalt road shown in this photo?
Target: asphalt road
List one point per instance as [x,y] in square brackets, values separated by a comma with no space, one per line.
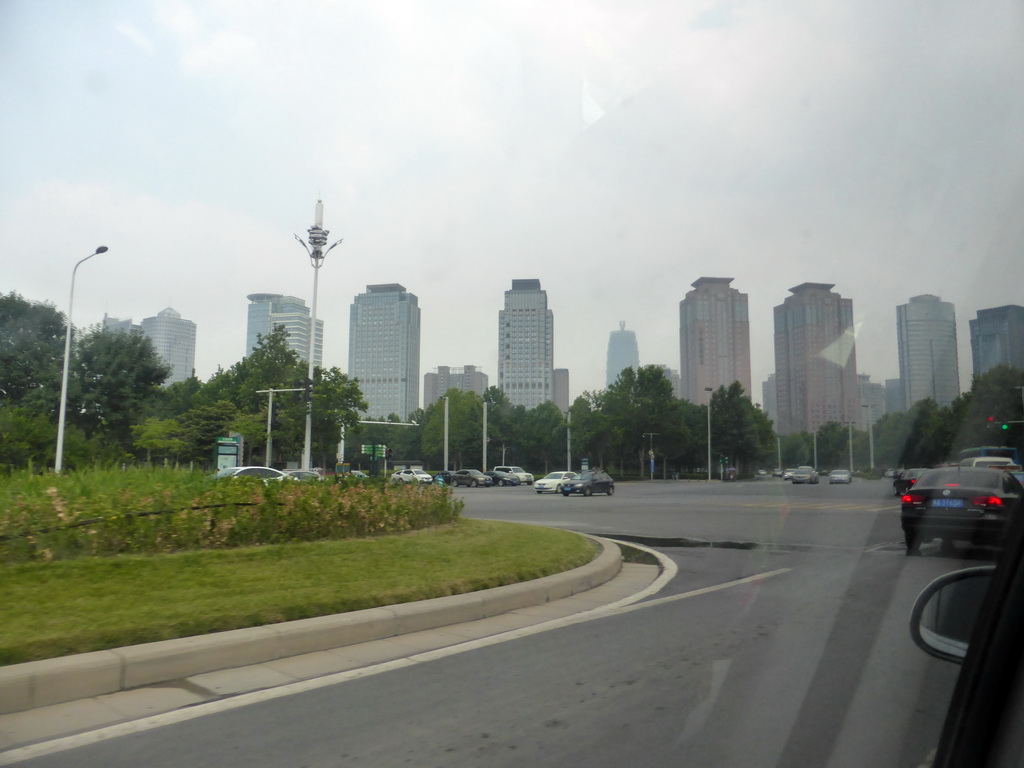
[809,665]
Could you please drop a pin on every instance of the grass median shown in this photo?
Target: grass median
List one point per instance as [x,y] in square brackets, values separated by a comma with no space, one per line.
[60,608]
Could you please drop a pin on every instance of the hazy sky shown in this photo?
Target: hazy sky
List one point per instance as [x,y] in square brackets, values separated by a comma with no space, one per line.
[615,149]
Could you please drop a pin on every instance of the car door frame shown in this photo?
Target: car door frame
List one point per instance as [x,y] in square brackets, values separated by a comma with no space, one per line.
[991,682]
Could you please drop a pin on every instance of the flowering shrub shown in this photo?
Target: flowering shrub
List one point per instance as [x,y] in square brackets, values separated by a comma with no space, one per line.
[151,511]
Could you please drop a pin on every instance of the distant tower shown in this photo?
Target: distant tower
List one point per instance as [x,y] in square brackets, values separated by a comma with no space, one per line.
[714,338]
[465,379]
[384,349]
[267,311]
[997,338]
[623,353]
[815,360]
[526,345]
[174,340]
[926,334]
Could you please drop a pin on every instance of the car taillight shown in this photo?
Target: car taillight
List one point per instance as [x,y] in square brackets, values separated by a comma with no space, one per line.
[913,480]
[987,501]
[912,498]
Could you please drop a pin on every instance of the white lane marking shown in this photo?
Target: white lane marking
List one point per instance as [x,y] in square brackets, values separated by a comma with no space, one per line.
[624,605]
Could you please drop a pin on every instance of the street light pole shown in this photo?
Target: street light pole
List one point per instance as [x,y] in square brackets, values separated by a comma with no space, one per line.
[446,434]
[317,254]
[709,390]
[850,425]
[58,463]
[871,436]
[485,437]
[650,453]
[568,441]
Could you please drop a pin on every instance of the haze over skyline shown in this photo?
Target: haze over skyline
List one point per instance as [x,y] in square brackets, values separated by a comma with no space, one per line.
[616,151]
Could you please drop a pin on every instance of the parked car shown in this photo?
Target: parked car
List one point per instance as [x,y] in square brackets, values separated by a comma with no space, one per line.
[304,474]
[553,481]
[807,475]
[443,477]
[588,482]
[904,479]
[415,476]
[267,473]
[523,475]
[503,478]
[471,477]
[958,504]
[840,476]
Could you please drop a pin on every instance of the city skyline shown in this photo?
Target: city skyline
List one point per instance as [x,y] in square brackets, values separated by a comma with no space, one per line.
[757,392]
[615,161]
[926,341]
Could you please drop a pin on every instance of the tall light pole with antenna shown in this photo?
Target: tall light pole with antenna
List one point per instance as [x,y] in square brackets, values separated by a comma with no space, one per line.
[317,253]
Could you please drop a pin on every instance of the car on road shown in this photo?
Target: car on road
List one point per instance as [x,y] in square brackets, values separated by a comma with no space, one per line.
[522,474]
[473,478]
[589,482]
[412,476]
[905,478]
[787,474]
[266,473]
[503,478]
[552,482]
[444,477]
[840,476]
[304,474]
[958,504]
[808,475]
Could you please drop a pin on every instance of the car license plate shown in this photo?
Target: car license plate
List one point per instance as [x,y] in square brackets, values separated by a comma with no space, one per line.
[949,503]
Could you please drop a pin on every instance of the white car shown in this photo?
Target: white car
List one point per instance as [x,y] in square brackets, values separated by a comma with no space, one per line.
[412,476]
[524,476]
[552,482]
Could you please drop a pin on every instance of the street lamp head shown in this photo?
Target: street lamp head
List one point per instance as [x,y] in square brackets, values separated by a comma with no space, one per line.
[101,249]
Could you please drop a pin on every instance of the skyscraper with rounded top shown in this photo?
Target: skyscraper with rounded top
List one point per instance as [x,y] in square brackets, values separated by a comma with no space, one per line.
[926,335]
[714,338]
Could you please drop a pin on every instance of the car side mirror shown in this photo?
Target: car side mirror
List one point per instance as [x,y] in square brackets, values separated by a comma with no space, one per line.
[946,610]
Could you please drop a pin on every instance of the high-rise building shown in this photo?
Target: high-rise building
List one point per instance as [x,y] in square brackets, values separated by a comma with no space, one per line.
[174,340]
[526,345]
[267,311]
[815,359]
[872,400]
[672,375]
[997,338]
[622,353]
[768,398]
[384,349]
[714,338]
[926,333]
[465,379]
[895,400]
[117,324]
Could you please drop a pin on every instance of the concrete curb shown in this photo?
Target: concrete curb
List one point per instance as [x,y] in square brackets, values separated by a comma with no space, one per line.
[54,681]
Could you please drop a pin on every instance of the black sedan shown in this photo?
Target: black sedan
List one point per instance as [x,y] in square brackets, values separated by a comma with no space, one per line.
[588,482]
[471,477]
[904,479]
[958,504]
[503,478]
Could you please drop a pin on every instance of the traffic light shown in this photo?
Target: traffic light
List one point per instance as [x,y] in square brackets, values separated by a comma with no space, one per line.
[308,385]
[994,422]
[388,453]
[275,417]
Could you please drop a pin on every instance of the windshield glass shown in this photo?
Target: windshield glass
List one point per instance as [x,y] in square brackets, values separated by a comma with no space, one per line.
[729,236]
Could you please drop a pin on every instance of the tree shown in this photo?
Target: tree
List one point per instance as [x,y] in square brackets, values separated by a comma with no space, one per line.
[162,437]
[26,439]
[117,377]
[31,354]
[741,434]
[337,403]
